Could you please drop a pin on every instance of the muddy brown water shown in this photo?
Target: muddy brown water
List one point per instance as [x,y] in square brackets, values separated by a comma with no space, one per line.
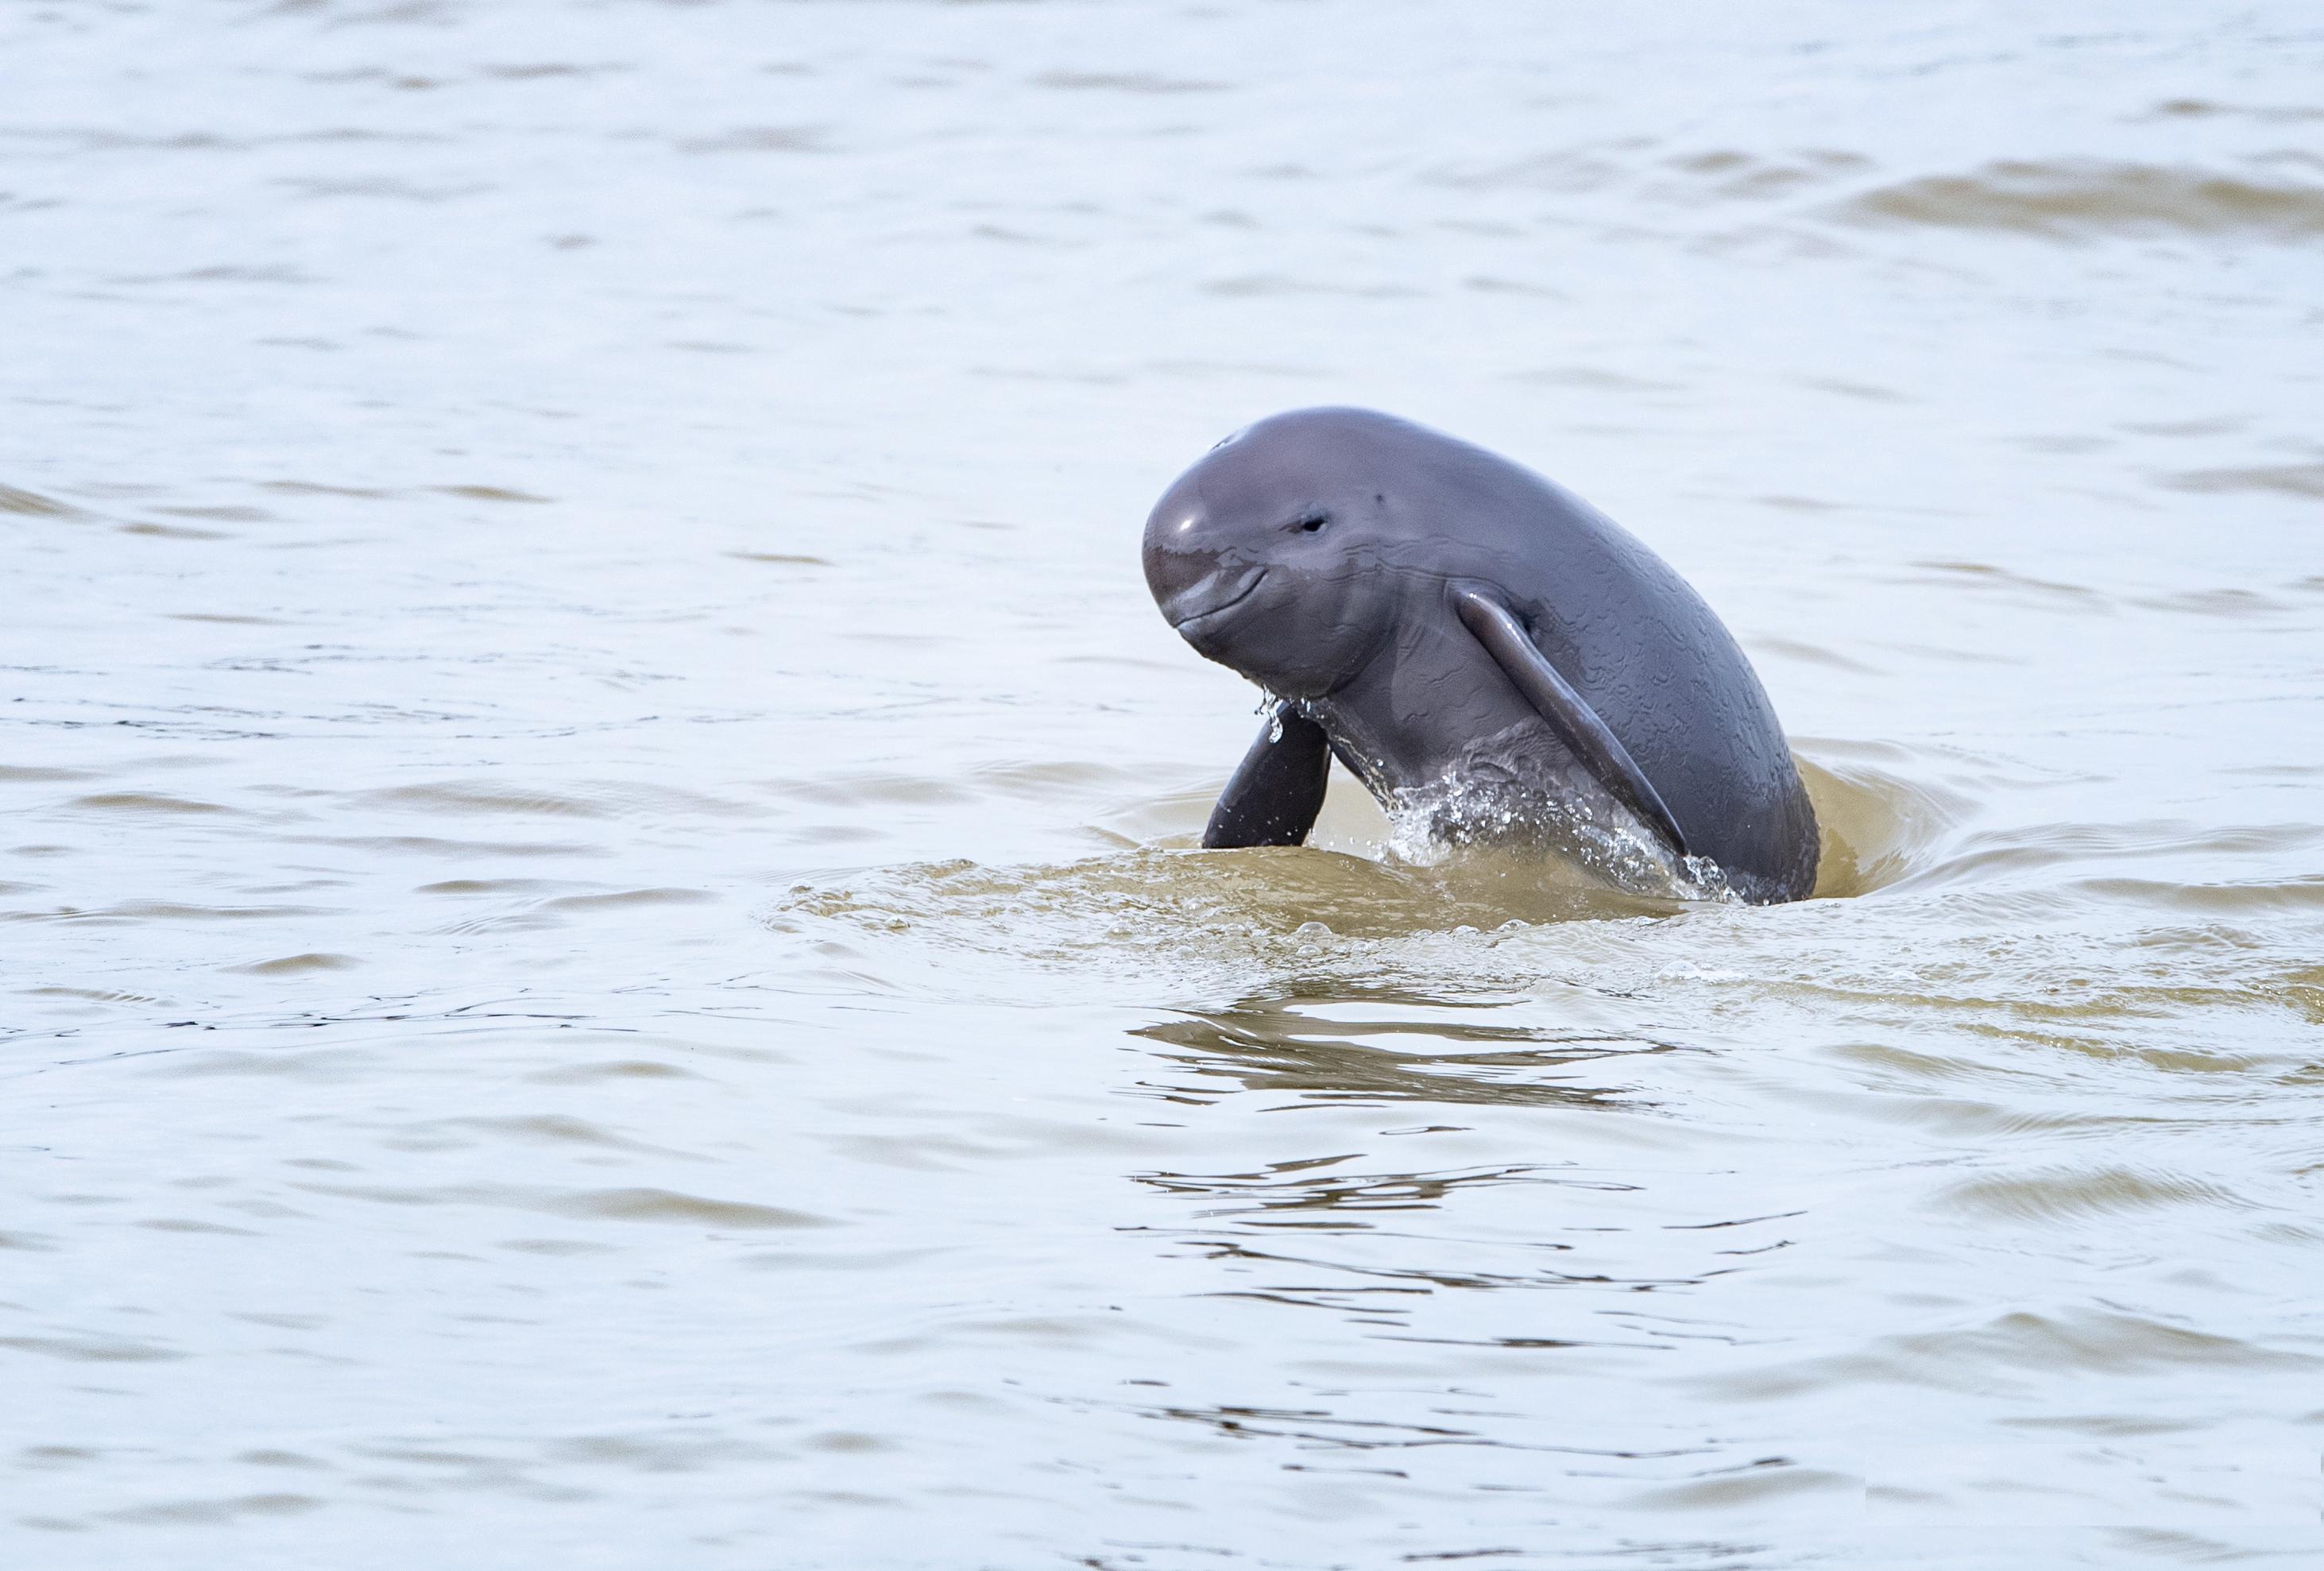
[602,966]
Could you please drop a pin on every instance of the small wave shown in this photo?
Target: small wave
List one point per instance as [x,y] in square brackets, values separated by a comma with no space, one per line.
[1877,824]
[439,846]
[1983,578]
[1992,856]
[536,72]
[621,899]
[781,559]
[2206,108]
[579,799]
[552,1129]
[1729,174]
[216,1513]
[851,790]
[2259,898]
[2227,602]
[31,504]
[1268,285]
[623,1204]
[2076,199]
[1814,654]
[2268,479]
[1261,899]
[168,911]
[2094,1339]
[616,1069]
[478,797]
[2084,1341]
[762,139]
[488,494]
[300,965]
[92,1349]
[2059,1195]
[669,1206]
[1754,1486]
[171,531]
[1143,83]
[147,802]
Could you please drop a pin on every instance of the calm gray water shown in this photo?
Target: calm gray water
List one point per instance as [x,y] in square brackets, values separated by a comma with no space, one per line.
[601,962]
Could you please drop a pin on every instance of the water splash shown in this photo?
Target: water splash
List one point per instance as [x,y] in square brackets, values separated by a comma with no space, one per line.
[1272,706]
[1601,840]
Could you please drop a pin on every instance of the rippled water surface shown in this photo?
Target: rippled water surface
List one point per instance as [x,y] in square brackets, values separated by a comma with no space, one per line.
[602,956]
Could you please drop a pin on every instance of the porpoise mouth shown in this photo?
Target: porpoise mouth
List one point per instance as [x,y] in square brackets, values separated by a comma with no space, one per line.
[1185,623]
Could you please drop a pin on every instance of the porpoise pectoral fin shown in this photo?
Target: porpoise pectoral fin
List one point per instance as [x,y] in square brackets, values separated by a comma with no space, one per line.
[1278,788]
[1576,724]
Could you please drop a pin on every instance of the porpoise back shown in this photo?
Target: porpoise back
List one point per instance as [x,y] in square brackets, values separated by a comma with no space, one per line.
[1457,627]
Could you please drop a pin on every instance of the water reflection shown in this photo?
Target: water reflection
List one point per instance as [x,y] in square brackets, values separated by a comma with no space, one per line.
[1339,1042]
[1287,1187]
[1319,1429]
[1448,1252]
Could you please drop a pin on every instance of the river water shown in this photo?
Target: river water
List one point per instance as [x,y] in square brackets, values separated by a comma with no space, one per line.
[603,965]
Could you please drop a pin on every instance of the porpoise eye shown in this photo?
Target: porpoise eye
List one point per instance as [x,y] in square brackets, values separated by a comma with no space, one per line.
[1312,522]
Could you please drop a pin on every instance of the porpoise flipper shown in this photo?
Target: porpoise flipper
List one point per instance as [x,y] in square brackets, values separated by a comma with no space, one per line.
[1577,724]
[1278,788]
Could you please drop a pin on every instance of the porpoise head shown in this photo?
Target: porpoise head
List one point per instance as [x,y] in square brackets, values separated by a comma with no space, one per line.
[1276,553]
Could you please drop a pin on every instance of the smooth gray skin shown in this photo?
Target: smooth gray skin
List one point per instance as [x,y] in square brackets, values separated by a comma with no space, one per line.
[1466,636]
